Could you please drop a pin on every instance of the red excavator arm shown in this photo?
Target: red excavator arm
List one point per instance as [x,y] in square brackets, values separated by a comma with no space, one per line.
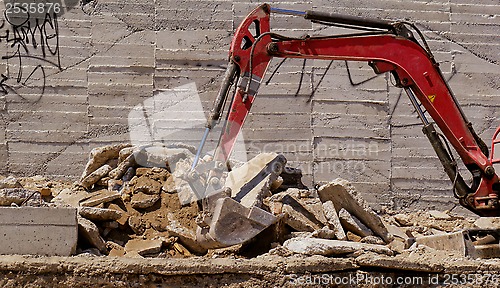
[388,47]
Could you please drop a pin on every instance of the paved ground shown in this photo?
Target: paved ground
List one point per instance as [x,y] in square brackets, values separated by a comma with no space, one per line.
[366,270]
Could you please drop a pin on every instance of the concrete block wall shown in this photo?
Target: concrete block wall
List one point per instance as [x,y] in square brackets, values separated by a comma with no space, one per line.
[110,56]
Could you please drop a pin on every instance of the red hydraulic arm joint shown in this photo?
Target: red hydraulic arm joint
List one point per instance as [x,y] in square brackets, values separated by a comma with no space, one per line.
[414,69]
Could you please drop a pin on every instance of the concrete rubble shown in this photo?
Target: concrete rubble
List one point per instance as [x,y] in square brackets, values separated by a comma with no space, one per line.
[344,196]
[128,204]
[328,247]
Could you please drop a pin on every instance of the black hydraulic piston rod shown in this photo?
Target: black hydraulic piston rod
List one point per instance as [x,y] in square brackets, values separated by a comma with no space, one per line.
[337,18]
[216,112]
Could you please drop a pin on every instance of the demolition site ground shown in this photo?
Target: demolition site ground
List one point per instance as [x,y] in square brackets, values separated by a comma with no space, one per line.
[131,221]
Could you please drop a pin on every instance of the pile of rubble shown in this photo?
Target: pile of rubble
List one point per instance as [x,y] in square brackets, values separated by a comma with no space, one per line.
[130,204]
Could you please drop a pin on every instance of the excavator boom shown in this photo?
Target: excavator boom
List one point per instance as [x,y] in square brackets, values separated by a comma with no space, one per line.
[388,46]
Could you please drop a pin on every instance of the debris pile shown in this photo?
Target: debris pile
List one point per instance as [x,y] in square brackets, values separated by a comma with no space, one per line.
[127,209]
[131,203]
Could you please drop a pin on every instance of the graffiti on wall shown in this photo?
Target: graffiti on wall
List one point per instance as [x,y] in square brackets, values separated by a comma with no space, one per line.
[31,34]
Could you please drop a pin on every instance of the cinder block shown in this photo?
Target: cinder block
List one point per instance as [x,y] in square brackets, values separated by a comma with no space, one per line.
[38,231]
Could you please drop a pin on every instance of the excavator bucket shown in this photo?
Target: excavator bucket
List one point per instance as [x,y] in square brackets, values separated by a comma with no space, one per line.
[234,217]
[233,223]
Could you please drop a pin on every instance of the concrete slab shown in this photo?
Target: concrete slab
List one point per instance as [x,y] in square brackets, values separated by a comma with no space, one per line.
[101,196]
[100,214]
[488,222]
[95,176]
[99,156]
[90,232]
[397,231]
[353,224]
[143,247]
[344,195]
[143,201]
[333,220]
[458,241]
[299,221]
[38,231]
[315,246]
[439,215]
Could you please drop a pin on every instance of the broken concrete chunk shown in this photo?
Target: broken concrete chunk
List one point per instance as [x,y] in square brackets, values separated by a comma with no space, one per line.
[125,152]
[397,245]
[439,215]
[353,224]
[276,184]
[136,224]
[70,197]
[143,247]
[434,231]
[161,156]
[403,219]
[133,254]
[169,186]
[114,185]
[10,182]
[251,182]
[181,249]
[124,218]
[184,191]
[99,214]
[95,176]
[488,222]
[333,220]
[324,233]
[300,235]
[119,171]
[88,230]
[397,231]
[278,197]
[99,156]
[99,197]
[353,237]
[344,195]
[186,237]
[143,201]
[458,241]
[372,240]
[325,247]
[147,185]
[298,221]
[20,196]
[299,217]
[115,250]
[315,206]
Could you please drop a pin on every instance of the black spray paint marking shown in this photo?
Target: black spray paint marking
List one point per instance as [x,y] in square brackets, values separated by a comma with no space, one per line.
[26,37]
